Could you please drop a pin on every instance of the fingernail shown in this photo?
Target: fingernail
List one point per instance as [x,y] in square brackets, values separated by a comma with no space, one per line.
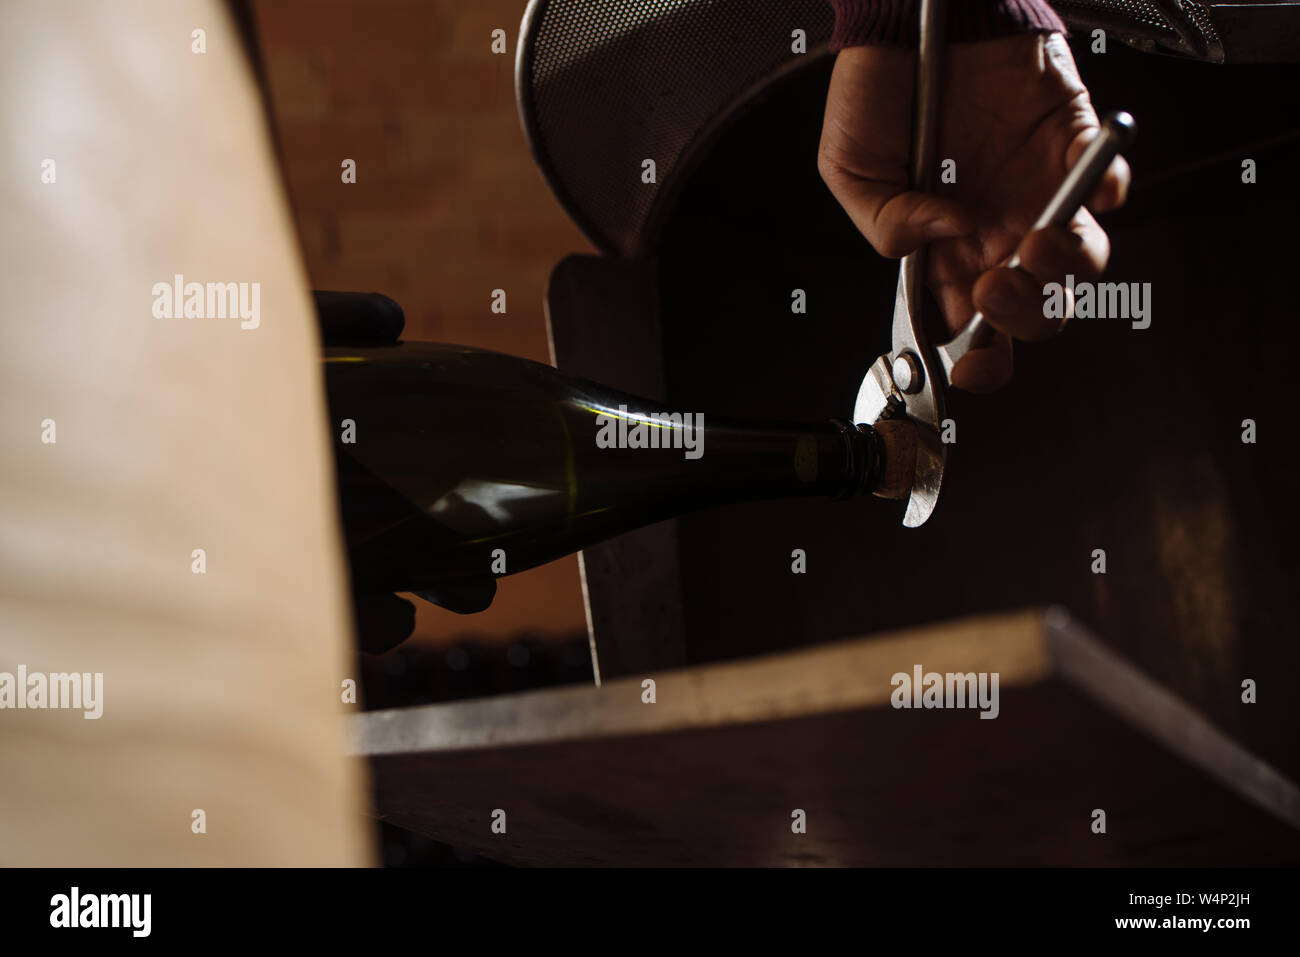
[940,229]
[1064,239]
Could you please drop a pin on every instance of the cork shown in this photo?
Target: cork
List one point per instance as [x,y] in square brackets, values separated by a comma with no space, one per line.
[899,438]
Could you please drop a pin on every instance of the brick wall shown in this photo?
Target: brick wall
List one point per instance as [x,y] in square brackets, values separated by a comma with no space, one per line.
[447,205]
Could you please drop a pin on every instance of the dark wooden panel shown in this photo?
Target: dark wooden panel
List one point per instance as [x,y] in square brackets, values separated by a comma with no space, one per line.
[603,319]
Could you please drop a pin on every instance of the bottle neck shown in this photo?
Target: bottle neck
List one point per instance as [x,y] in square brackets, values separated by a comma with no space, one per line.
[864,458]
[728,460]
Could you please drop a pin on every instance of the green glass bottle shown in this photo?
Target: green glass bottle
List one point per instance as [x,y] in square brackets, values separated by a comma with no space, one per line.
[457,466]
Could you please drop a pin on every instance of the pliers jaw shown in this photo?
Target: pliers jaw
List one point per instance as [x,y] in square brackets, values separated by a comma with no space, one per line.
[903,383]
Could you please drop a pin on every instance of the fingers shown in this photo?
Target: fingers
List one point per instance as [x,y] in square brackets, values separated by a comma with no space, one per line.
[358,318]
[986,369]
[1012,300]
[382,620]
[894,220]
[1112,191]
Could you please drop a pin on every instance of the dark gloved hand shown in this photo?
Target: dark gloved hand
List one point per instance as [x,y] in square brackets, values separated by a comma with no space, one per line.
[384,620]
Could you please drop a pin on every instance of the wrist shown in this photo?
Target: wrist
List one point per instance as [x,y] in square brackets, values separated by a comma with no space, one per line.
[896,22]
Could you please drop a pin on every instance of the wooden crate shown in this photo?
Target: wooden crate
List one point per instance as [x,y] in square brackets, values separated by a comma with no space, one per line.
[712,772]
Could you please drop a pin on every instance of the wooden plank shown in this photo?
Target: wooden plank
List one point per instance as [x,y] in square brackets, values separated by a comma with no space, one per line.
[713,770]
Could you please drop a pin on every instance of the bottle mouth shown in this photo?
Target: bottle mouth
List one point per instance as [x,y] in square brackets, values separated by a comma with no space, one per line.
[864,459]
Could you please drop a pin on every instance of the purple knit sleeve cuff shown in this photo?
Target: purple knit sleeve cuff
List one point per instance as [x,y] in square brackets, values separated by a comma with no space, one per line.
[896,22]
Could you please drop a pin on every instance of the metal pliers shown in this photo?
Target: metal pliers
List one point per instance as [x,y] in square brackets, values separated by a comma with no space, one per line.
[909,380]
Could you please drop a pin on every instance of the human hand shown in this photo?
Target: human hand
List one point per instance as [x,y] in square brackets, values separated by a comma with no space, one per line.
[1014,116]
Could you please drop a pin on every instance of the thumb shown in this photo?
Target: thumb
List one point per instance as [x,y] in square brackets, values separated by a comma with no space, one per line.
[899,221]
